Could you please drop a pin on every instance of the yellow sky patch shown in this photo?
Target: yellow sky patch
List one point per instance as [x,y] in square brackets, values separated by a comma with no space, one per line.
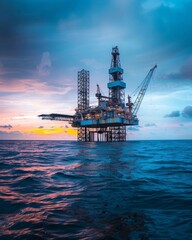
[55,130]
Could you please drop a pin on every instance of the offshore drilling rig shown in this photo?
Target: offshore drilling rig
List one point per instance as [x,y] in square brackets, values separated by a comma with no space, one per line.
[107,121]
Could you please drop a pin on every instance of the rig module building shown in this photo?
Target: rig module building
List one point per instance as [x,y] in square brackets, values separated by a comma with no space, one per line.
[107,121]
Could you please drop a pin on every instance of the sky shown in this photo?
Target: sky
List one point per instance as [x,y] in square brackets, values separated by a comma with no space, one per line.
[44,43]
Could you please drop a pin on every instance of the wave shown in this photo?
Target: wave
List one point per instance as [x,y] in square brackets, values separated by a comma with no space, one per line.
[69,190]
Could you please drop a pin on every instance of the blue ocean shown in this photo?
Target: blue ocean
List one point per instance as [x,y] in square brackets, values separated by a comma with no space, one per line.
[136,190]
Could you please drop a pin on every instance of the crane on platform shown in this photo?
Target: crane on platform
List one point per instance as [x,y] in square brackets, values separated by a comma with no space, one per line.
[100,96]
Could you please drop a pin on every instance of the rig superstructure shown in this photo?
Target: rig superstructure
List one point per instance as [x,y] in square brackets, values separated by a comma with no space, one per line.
[107,121]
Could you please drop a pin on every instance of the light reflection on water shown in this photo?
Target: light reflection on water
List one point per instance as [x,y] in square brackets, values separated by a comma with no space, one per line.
[69,190]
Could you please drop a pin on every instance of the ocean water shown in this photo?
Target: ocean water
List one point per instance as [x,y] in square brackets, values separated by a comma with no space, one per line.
[137,190]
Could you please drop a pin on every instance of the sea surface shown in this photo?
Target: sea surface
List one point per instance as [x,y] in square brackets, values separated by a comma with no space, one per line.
[137,190]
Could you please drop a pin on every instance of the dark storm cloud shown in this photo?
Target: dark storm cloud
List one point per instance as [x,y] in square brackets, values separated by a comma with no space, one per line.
[28,28]
[25,21]
[70,31]
[171,24]
[187,112]
[6,126]
[185,71]
[173,114]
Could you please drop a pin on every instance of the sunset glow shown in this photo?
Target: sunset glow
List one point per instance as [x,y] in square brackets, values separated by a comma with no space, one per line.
[55,130]
[43,48]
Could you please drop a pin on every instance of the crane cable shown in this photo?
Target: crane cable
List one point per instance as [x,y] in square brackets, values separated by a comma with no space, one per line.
[142,83]
[137,88]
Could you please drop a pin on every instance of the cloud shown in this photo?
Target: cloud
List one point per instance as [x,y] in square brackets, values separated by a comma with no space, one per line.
[37,32]
[133,128]
[185,71]
[34,86]
[173,114]
[23,117]
[6,126]
[150,125]
[187,112]
[149,5]
[10,135]
[171,29]
[45,65]
[70,23]
[25,29]
[1,68]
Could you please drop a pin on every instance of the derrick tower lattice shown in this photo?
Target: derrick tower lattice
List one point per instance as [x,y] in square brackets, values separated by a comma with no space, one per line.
[83,102]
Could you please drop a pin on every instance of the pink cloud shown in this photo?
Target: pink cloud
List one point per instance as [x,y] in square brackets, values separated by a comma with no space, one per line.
[33,86]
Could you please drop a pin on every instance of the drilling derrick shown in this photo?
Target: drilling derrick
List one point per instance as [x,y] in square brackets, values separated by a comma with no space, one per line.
[107,121]
[116,85]
[117,93]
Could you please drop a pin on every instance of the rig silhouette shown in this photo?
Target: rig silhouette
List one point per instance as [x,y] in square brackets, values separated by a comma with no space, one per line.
[107,121]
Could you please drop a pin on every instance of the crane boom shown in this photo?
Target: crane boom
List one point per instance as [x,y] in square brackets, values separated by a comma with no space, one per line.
[142,91]
[57,117]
